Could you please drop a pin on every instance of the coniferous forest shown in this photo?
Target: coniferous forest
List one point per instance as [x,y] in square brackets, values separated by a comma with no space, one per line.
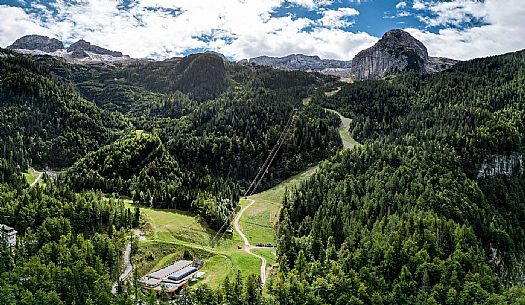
[422,213]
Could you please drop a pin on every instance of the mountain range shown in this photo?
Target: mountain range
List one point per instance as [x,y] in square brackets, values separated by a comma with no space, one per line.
[396,52]
[78,51]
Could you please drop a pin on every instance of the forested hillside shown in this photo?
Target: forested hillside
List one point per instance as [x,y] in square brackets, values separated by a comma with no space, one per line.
[404,220]
[139,166]
[45,122]
[69,244]
[209,125]
[428,211]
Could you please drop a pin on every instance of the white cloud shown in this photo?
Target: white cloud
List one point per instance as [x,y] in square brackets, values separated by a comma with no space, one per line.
[504,26]
[401,5]
[237,28]
[418,5]
[453,12]
[16,23]
[311,4]
[338,18]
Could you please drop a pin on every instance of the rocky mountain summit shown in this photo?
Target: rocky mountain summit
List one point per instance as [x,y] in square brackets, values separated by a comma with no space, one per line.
[81,48]
[303,63]
[78,51]
[37,42]
[396,52]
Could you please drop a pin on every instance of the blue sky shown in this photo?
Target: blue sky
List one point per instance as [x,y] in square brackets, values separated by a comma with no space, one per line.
[335,29]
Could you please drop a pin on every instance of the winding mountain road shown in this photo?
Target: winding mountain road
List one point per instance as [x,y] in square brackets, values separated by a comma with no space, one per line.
[128,268]
[247,246]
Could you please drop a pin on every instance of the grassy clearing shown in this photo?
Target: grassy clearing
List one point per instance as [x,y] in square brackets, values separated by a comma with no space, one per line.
[246,263]
[348,141]
[217,268]
[269,254]
[173,225]
[29,178]
[31,175]
[169,232]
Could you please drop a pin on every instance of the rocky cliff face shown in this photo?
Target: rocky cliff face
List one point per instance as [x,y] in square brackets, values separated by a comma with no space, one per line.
[396,52]
[78,51]
[303,63]
[501,165]
[37,42]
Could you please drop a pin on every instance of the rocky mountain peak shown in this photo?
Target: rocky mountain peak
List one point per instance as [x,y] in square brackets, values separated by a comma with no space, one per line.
[396,52]
[37,42]
[79,49]
[397,39]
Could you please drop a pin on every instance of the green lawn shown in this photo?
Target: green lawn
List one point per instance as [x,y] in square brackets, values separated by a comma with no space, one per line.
[246,263]
[268,254]
[217,268]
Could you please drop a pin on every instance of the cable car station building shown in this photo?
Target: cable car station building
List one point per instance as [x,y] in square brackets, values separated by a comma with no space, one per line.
[170,279]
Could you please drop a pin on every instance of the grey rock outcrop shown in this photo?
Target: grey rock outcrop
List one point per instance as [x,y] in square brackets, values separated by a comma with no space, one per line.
[437,64]
[396,52]
[37,42]
[301,62]
[497,165]
[79,49]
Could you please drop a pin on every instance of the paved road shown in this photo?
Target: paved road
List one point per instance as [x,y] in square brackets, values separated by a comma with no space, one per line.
[247,247]
[127,270]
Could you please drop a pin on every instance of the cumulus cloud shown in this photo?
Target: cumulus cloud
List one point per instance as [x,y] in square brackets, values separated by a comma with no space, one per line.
[15,23]
[418,5]
[456,12]
[500,32]
[338,18]
[311,4]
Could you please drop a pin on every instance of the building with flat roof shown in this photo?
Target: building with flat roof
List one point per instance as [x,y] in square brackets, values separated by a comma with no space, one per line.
[8,235]
[170,278]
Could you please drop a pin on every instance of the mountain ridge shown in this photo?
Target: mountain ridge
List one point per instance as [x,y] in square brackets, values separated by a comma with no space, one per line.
[308,63]
[396,52]
[78,51]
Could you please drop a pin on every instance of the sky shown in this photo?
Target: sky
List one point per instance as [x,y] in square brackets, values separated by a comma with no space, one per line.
[332,29]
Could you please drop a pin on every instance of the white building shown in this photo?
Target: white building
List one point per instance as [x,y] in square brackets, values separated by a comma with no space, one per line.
[8,235]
